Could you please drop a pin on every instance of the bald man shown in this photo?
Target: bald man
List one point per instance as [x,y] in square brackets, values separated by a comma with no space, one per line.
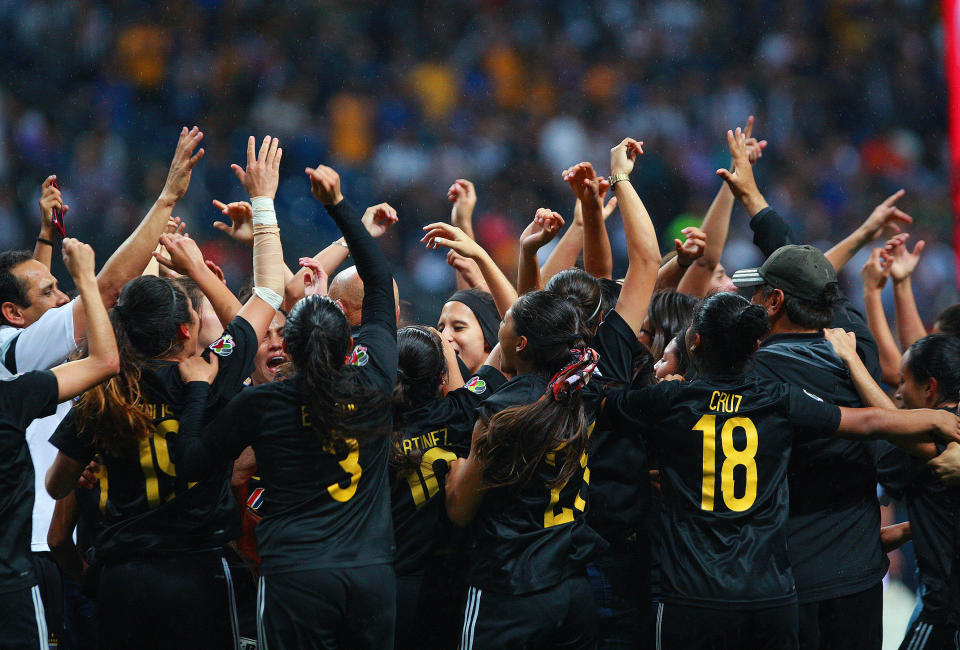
[347,288]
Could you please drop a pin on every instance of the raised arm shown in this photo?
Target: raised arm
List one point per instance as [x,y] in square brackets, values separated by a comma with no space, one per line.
[845,345]
[885,216]
[181,254]
[102,360]
[541,231]
[874,274]
[903,263]
[564,255]
[372,265]
[643,252]
[590,190]
[50,199]
[443,234]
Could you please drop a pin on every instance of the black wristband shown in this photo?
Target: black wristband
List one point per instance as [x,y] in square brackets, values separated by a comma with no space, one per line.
[682,266]
[45,241]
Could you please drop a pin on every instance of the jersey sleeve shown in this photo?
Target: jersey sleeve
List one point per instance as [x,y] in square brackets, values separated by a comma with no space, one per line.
[625,408]
[617,346]
[230,432]
[375,354]
[236,349]
[811,415]
[464,401]
[67,439]
[42,345]
[26,397]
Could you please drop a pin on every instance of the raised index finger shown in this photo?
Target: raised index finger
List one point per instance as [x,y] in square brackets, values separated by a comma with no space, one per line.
[893,198]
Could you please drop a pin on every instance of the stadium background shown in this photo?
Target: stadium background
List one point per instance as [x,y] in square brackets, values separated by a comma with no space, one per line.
[404,97]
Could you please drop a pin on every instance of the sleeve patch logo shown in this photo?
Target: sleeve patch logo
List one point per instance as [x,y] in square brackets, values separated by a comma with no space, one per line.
[223,346]
[255,500]
[359,356]
[477,386]
[812,396]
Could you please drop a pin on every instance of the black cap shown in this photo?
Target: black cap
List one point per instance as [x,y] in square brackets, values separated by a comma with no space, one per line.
[799,271]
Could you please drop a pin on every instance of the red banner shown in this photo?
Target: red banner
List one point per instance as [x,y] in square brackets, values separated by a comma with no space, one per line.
[951,25]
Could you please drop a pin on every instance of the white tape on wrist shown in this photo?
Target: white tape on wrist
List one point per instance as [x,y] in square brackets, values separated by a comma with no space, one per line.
[269,296]
[263,212]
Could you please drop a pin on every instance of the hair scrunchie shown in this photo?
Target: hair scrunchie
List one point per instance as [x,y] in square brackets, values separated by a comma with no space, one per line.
[575,375]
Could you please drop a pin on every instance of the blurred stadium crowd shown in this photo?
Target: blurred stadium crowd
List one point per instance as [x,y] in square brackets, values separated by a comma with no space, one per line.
[404,97]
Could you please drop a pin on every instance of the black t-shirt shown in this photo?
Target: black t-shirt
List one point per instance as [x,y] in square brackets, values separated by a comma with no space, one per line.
[834,514]
[619,475]
[322,507]
[437,432]
[530,537]
[724,445]
[140,505]
[934,511]
[23,398]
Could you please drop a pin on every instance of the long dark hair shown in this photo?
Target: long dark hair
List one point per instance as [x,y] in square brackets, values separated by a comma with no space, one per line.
[421,368]
[669,313]
[317,336]
[937,356]
[517,439]
[146,321]
[730,329]
[581,290]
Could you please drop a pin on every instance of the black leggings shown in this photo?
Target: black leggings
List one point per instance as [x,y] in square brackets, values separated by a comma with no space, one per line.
[183,602]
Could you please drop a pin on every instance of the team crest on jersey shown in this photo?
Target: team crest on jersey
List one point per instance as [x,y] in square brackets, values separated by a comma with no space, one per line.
[255,500]
[359,356]
[223,346]
[812,396]
[477,386]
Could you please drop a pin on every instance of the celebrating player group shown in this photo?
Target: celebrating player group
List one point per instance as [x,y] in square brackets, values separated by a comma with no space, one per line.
[676,458]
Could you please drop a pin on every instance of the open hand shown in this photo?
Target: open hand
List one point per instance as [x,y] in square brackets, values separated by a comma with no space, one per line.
[448,236]
[886,217]
[184,160]
[903,262]
[240,214]
[262,174]
[740,180]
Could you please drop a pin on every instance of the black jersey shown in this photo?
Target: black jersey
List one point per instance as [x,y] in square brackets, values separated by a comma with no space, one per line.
[834,513]
[934,511]
[23,398]
[724,445]
[529,537]
[140,505]
[436,433]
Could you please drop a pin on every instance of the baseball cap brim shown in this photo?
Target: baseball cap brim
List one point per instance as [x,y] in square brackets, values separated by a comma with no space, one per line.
[747,278]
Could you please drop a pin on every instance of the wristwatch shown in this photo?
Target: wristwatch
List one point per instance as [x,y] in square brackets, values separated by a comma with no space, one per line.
[616,178]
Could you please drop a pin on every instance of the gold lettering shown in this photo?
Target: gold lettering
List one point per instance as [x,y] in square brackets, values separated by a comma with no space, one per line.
[725,402]
[407,447]
[304,417]
[712,406]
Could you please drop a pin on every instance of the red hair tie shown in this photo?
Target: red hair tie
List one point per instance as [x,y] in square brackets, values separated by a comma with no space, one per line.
[575,375]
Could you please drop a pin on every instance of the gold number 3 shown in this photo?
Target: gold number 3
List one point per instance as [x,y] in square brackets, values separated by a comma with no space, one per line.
[350,465]
[733,457]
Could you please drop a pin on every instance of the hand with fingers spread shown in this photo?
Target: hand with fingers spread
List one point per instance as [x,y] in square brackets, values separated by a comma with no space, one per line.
[240,214]
[262,174]
[876,270]
[624,155]
[741,180]
[691,249]
[541,231]
[448,236]
[79,260]
[184,160]
[325,184]
[175,226]
[844,343]
[903,262]
[196,368]
[315,279]
[50,200]
[182,255]
[377,219]
[886,217]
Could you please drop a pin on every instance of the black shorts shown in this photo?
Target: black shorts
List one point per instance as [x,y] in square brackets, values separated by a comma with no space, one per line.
[430,606]
[183,601]
[562,616]
[327,608]
[50,582]
[620,580]
[930,636]
[854,621]
[22,621]
[684,626]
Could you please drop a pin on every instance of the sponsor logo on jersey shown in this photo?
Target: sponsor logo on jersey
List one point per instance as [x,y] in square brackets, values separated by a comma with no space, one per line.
[255,500]
[477,386]
[359,356]
[812,396]
[223,346]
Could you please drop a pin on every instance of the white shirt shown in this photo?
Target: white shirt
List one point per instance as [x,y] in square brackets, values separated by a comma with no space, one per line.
[43,345]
